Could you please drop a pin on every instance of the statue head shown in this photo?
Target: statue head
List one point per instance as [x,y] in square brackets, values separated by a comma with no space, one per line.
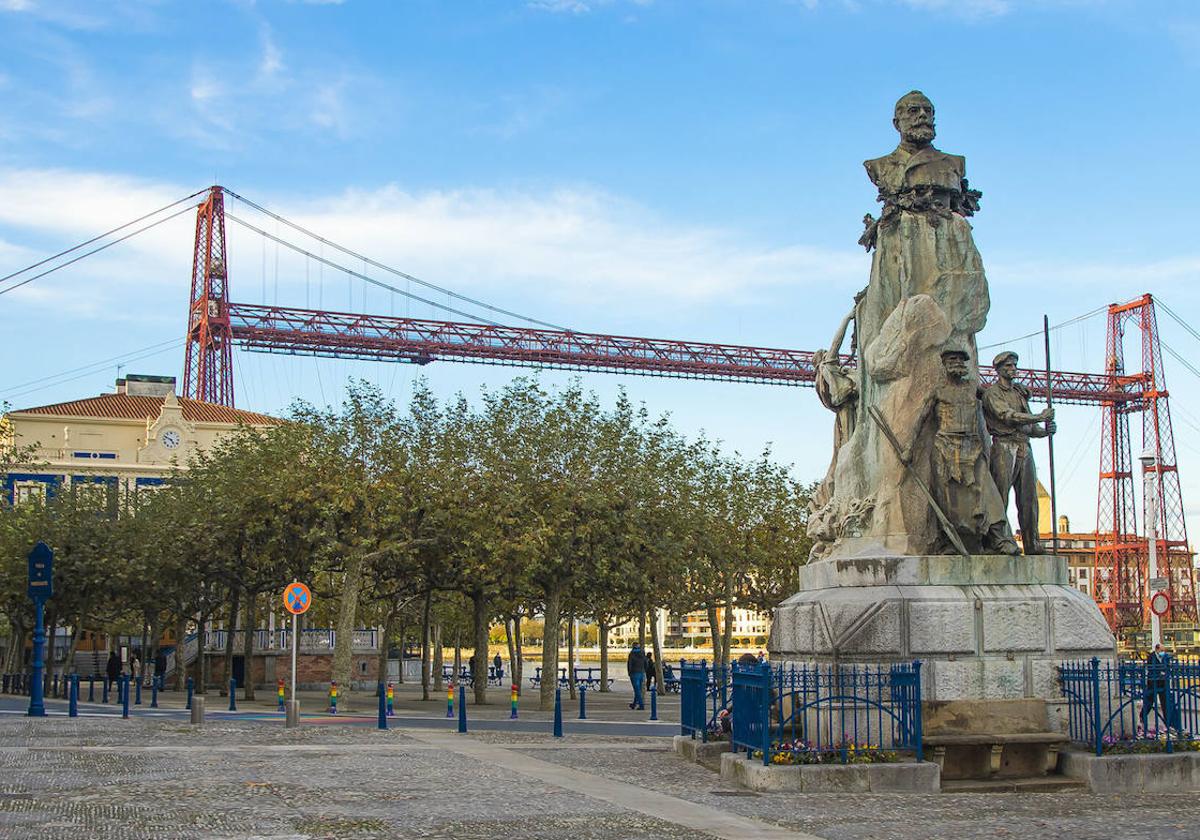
[914,118]
[1005,364]
[956,361]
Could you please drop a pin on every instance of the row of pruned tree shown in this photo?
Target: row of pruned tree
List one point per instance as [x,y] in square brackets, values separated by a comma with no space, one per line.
[441,517]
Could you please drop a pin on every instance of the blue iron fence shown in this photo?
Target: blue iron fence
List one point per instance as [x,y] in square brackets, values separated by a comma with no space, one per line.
[703,693]
[1111,703]
[824,713]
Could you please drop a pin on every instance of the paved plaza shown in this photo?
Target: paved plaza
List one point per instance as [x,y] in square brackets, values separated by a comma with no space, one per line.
[155,776]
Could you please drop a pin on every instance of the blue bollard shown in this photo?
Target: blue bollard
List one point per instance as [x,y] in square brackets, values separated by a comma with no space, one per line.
[104,695]
[232,695]
[137,692]
[583,702]
[190,689]
[124,696]
[462,708]
[558,713]
[653,702]
[382,707]
[73,693]
[91,688]
[154,692]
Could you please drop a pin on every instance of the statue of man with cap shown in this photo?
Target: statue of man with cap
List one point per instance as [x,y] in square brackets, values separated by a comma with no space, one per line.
[1012,424]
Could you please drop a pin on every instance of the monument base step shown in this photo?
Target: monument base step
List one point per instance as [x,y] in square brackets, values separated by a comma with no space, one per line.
[1033,784]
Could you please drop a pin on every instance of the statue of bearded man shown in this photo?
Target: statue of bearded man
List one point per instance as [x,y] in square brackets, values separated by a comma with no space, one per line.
[922,240]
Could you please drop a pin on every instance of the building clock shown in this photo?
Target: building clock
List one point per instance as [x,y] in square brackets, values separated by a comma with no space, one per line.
[170,439]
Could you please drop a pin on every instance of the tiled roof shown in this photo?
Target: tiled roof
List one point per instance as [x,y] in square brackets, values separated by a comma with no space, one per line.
[127,407]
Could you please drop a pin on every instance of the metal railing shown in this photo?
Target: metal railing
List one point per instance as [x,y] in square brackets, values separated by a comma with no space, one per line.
[316,640]
[703,693]
[818,713]
[1122,704]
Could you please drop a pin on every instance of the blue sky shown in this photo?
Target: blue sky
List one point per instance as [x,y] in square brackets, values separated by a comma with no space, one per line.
[670,168]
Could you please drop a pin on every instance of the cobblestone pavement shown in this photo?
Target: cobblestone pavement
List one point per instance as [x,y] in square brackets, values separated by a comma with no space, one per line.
[153,778]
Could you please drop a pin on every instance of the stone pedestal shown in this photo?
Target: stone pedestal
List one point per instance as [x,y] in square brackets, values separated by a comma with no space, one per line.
[991,627]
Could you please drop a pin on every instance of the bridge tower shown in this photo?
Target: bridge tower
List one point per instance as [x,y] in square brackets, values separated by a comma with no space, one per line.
[208,360]
[1121,557]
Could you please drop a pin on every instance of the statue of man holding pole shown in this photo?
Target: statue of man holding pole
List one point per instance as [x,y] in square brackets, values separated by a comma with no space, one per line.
[1011,425]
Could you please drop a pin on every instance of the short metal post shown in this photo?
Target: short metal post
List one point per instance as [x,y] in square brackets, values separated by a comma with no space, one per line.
[583,702]
[154,692]
[390,699]
[1096,706]
[513,716]
[382,724]
[137,691]
[73,694]
[462,708]
[292,714]
[191,688]
[558,713]
[232,694]
[124,696]
[653,702]
[450,699]
[197,709]
[92,688]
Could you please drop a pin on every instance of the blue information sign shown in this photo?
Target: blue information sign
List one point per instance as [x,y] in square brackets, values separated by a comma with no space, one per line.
[41,572]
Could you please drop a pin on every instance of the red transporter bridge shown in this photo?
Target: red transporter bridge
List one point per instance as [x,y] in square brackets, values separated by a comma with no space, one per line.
[215,324]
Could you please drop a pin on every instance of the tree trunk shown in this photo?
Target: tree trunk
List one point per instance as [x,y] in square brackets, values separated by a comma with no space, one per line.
[343,646]
[438,657]
[642,626]
[571,653]
[230,627]
[604,656]
[381,662]
[75,637]
[728,634]
[180,665]
[145,644]
[519,662]
[552,616]
[248,634]
[714,629]
[512,654]
[656,641]
[403,638]
[456,676]
[425,652]
[480,659]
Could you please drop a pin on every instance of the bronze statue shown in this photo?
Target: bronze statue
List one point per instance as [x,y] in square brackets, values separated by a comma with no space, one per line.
[1011,424]
[962,485]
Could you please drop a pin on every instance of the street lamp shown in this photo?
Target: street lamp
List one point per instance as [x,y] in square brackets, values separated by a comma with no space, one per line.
[1149,459]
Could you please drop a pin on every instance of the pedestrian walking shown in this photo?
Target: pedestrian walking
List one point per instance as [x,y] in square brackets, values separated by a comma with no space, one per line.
[498,665]
[651,672]
[112,668]
[635,665]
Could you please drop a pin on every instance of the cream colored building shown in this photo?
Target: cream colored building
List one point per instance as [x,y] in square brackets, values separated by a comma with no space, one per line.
[693,628]
[130,440]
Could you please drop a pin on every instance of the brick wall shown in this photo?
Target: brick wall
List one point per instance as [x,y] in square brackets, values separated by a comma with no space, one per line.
[313,671]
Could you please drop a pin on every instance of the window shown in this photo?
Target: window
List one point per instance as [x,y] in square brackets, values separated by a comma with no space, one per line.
[28,491]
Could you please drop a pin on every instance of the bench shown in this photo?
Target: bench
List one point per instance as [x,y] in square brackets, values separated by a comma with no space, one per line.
[988,755]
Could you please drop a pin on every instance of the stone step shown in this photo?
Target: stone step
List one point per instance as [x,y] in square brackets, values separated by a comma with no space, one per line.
[1032,784]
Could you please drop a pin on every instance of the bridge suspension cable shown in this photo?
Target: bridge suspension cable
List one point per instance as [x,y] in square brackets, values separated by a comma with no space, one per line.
[97,238]
[395,271]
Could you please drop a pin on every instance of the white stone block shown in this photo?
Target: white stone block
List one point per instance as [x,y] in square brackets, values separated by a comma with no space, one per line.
[941,627]
[1014,625]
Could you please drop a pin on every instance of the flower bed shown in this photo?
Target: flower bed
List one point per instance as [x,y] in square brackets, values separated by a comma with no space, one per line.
[791,753]
[1149,741]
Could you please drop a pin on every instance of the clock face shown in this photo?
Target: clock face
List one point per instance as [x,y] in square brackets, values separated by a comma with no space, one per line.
[170,439]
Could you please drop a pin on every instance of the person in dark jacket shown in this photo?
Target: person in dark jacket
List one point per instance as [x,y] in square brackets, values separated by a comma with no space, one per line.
[160,667]
[498,669]
[112,668]
[651,671]
[1157,662]
[635,665]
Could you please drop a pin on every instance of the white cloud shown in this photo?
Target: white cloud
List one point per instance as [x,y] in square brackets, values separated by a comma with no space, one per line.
[271,63]
[579,7]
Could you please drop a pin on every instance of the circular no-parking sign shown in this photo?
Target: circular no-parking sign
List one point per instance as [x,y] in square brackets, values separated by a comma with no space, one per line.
[296,598]
[1160,602]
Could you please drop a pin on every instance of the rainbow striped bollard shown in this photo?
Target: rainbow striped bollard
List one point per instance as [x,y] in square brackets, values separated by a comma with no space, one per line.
[391,696]
[279,693]
[450,700]
[333,698]
[513,716]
